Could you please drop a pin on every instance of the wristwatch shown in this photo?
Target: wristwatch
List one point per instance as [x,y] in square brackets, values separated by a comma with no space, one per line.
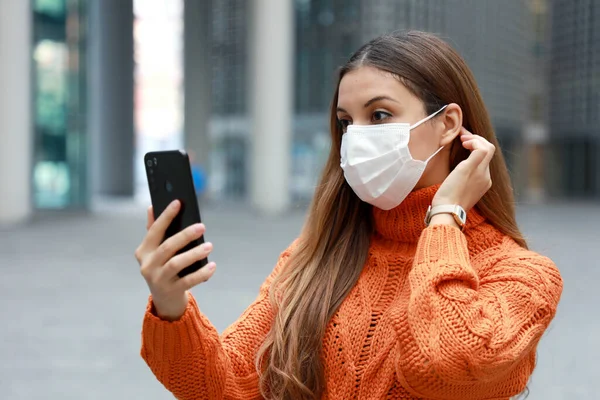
[459,214]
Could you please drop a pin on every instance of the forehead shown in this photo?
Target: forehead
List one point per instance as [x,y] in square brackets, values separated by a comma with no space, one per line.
[367,82]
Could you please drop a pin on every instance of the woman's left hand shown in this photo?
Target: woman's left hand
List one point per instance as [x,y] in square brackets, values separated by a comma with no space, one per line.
[470,180]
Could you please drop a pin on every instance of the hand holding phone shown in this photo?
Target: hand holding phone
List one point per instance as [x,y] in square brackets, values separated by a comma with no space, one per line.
[173,255]
[169,179]
[160,264]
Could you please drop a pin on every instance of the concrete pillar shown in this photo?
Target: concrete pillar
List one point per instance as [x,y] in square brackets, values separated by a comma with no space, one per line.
[110,102]
[533,154]
[197,79]
[15,111]
[271,100]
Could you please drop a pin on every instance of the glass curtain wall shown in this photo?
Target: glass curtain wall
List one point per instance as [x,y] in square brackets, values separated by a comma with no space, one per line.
[59,170]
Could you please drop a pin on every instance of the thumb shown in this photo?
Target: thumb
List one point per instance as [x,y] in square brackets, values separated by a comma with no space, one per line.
[478,153]
[475,158]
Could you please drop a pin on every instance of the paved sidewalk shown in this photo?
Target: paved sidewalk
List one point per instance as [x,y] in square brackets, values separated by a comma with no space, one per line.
[72,298]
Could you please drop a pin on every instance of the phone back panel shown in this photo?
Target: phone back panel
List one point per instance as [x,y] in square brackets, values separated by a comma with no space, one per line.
[170,178]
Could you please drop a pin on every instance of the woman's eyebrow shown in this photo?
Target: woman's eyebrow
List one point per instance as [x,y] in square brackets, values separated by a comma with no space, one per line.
[378,98]
[368,103]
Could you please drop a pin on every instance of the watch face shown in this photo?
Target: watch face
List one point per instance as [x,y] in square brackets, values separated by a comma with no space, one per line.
[462,214]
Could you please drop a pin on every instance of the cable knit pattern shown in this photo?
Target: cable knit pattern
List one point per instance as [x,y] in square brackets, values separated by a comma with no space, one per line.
[436,314]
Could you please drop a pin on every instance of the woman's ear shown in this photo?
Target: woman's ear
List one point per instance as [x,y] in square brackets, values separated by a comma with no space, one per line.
[451,123]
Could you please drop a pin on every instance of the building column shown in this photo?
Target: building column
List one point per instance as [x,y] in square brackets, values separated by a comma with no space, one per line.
[536,139]
[15,111]
[197,79]
[271,101]
[110,91]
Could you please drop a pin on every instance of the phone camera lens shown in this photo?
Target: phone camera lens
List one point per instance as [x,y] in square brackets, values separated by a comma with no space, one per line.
[169,186]
[155,162]
[149,163]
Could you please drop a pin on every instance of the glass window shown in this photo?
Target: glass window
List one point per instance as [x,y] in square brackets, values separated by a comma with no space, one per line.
[59,169]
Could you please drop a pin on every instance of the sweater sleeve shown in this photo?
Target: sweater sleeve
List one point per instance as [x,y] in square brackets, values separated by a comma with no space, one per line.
[193,362]
[474,324]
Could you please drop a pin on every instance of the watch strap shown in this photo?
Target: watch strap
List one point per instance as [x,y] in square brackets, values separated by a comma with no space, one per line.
[459,214]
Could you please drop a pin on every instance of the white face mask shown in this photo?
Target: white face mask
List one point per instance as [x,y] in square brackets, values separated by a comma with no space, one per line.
[377,163]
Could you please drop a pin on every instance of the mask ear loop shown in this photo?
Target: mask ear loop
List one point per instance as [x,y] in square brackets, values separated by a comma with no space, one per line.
[433,155]
[425,120]
[428,117]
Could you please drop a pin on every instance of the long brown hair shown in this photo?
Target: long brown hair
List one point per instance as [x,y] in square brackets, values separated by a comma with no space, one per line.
[334,243]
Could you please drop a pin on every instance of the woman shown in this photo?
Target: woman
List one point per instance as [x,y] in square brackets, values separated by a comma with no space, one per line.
[371,301]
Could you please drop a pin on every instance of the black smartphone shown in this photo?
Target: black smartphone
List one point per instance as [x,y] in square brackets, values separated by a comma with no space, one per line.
[170,178]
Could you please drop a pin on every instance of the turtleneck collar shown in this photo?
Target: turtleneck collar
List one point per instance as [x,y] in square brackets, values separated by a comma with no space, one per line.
[406,222]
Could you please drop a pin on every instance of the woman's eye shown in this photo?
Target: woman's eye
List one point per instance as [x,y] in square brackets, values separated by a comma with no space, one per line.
[380,115]
[344,123]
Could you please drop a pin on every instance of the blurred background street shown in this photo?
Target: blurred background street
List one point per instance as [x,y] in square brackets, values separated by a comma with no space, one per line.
[87,87]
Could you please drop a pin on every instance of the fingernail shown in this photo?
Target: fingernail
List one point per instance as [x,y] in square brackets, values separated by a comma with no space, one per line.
[212,266]
[174,204]
[208,246]
[199,228]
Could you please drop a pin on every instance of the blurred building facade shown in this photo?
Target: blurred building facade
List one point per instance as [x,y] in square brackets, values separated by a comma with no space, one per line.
[574,93]
[42,106]
[326,34]
[256,94]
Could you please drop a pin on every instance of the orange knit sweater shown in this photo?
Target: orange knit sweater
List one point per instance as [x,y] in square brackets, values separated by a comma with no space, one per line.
[436,314]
